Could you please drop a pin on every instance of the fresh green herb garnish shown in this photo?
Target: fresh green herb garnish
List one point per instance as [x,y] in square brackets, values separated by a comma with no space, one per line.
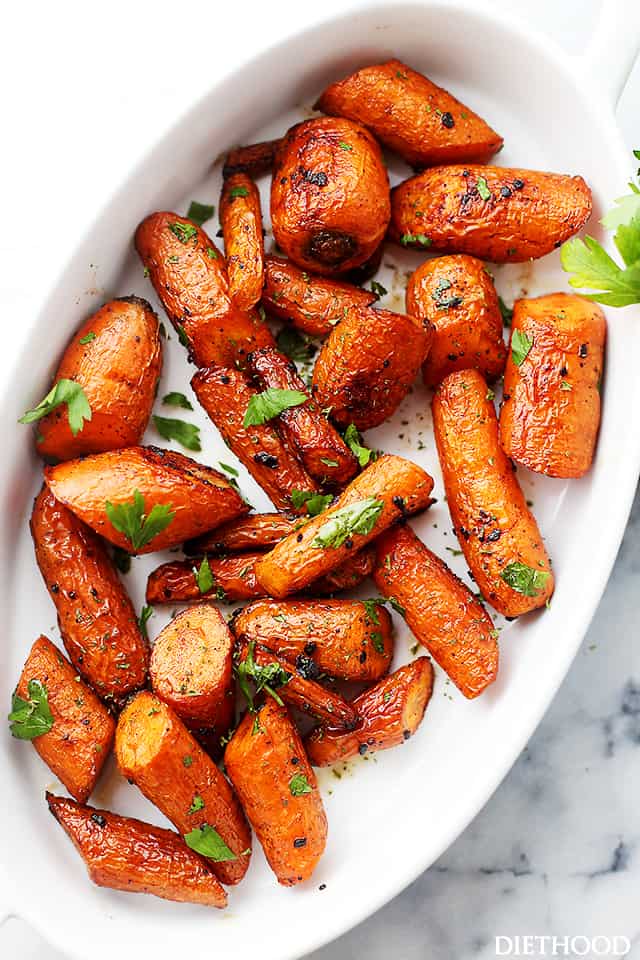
[182,335]
[328,462]
[31,718]
[378,289]
[267,678]
[420,238]
[212,253]
[315,502]
[565,385]
[270,403]
[371,609]
[524,579]
[64,391]
[130,519]
[520,347]
[175,399]
[196,804]
[359,517]
[200,212]
[187,760]
[483,188]
[187,434]
[239,192]
[507,312]
[377,641]
[353,440]
[88,337]
[396,605]
[344,146]
[183,231]
[204,576]
[145,614]
[228,469]
[207,841]
[299,785]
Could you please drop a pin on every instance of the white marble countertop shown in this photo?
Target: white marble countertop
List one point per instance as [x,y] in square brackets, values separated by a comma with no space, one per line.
[556,851]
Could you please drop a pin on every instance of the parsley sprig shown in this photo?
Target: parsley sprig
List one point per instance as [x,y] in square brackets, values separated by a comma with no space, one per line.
[524,579]
[267,678]
[353,440]
[64,391]
[359,517]
[271,403]
[130,519]
[31,718]
[207,841]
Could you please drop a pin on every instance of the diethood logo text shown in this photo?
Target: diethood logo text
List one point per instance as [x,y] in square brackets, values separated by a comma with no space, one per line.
[551,946]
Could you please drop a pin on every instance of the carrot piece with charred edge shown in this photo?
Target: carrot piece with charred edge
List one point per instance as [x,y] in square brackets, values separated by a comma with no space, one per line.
[189,275]
[457,297]
[343,638]
[155,751]
[268,767]
[329,195]
[324,454]
[551,411]
[421,122]
[497,532]
[441,611]
[191,669]
[116,358]
[244,534]
[304,694]
[367,365]
[81,736]
[123,853]
[253,159]
[200,498]
[241,222]
[225,395]
[499,214]
[234,578]
[98,624]
[394,486]
[390,712]
[312,304]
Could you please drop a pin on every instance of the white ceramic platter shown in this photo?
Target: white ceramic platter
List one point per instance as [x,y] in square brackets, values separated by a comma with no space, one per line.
[392,815]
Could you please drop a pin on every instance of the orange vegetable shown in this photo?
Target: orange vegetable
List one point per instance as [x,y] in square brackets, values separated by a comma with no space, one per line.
[367,365]
[241,222]
[200,498]
[497,532]
[551,411]
[441,611]
[98,624]
[246,533]
[80,738]
[253,159]
[421,122]
[189,275]
[494,213]
[390,712]
[126,854]
[329,195]
[456,296]
[387,490]
[155,750]
[116,359]
[268,767]
[233,579]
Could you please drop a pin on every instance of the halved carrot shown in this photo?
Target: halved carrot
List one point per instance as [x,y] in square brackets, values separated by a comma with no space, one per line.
[81,734]
[123,853]
[244,534]
[253,159]
[390,712]
[193,497]
[441,611]
[241,222]
[155,751]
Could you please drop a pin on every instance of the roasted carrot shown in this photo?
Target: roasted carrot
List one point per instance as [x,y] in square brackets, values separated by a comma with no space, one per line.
[78,728]
[390,488]
[155,751]
[346,639]
[225,395]
[123,853]
[551,410]
[441,611]
[98,624]
[244,534]
[189,275]
[191,669]
[180,497]
[494,213]
[324,454]
[348,575]
[420,121]
[329,195]
[241,222]
[367,365]
[253,159]
[268,767]
[313,304]
[497,532]
[457,297]
[115,357]
[390,712]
